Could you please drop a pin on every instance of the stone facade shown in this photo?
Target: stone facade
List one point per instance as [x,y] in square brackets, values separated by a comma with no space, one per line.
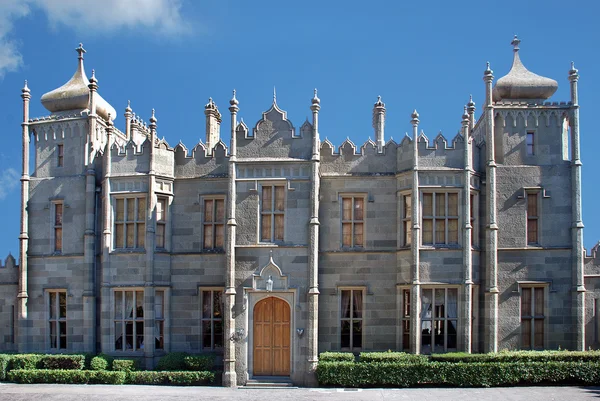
[280,245]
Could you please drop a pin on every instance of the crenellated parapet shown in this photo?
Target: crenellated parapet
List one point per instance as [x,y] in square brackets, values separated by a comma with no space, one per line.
[9,270]
[350,160]
[592,261]
[441,152]
[199,162]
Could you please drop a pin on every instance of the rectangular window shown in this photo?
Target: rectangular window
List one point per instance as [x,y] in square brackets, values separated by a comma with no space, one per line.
[440,218]
[530,144]
[129,320]
[353,214]
[130,222]
[159,320]
[272,213]
[60,155]
[57,317]
[474,231]
[532,218]
[406,320]
[439,320]
[161,222]
[351,323]
[532,317]
[212,319]
[407,219]
[58,227]
[214,223]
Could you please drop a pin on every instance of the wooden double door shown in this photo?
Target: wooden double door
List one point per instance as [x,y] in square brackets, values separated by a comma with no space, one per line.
[271,338]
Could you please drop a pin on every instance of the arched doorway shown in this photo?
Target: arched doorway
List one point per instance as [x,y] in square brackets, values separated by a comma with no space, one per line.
[271,338]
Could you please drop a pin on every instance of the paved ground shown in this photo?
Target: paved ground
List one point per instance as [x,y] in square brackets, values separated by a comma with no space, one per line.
[49,392]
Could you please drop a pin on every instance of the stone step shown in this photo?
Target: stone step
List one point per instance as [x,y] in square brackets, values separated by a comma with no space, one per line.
[269,382]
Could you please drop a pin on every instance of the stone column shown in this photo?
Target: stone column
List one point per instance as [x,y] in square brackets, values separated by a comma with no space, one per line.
[149,289]
[128,120]
[577,225]
[89,239]
[415,293]
[491,233]
[379,124]
[229,374]
[467,301]
[22,296]
[313,251]
[105,323]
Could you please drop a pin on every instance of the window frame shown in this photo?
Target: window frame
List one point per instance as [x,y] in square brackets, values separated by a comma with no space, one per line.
[135,320]
[126,198]
[56,320]
[530,148]
[351,318]
[214,224]
[438,320]
[211,319]
[407,226]
[160,322]
[533,316]
[60,155]
[533,194]
[353,221]
[57,227]
[474,216]
[162,224]
[434,217]
[405,316]
[272,212]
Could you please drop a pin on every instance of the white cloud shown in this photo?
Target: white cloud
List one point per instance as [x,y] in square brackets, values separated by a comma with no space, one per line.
[9,179]
[162,17]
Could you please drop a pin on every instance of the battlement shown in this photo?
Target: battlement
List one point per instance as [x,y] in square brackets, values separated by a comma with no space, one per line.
[9,270]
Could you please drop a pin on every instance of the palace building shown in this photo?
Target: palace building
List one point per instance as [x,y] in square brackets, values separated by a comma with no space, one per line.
[267,245]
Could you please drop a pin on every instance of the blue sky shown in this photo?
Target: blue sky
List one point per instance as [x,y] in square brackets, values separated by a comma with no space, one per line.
[172,55]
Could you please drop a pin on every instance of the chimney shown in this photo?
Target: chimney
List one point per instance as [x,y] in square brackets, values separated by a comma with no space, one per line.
[213,124]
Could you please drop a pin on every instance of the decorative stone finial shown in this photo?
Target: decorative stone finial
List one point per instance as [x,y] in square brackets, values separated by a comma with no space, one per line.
[471,105]
[234,101]
[109,121]
[465,116]
[315,98]
[25,88]
[210,105]
[573,73]
[93,79]
[415,115]
[128,108]
[274,95]
[153,119]
[81,51]
[515,42]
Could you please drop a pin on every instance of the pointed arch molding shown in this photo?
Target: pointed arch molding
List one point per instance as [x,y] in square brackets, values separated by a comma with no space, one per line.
[280,280]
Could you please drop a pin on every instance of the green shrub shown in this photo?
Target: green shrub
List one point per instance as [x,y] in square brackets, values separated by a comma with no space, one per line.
[29,376]
[476,374]
[67,362]
[370,357]
[4,365]
[98,363]
[25,361]
[199,362]
[172,361]
[172,378]
[336,357]
[124,365]
[520,356]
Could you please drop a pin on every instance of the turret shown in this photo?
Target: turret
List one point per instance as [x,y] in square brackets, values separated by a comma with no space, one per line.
[379,123]
[213,124]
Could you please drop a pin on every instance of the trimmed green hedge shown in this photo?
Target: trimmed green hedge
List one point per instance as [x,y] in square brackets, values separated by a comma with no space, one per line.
[171,378]
[519,356]
[476,374]
[67,362]
[124,365]
[199,362]
[29,376]
[336,357]
[370,357]
[4,365]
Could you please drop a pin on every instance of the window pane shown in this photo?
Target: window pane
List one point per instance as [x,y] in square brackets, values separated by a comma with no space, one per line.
[129,336]
[161,208]
[453,231]
[427,231]
[279,198]
[532,236]
[279,227]
[452,204]
[62,327]
[539,301]
[359,204]
[160,235]
[440,204]
[208,236]
[52,305]
[120,210]
[538,338]
[346,208]
[218,333]
[406,298]
[266,227]
[532,205]
[345,334]
[217,304]
[58,239]
[219,235]
[130,235]
[118,336]
[139,335]
[220,206]
[357,334]
[407,233]
[62,305]
[159,335]
[53,343]
[440,231]
[118,305]
[347,234]
[440,303]
[358,234]
[119,235]
[206,334]
[525,302]
[141,216]
[266,198]
[159,305]
[141,235]
[452,306]
[427,204]
[139,302]
[58,214]
[208,211]
[206,304]
[526,333]
[345,304]
[357,304]
[130,209]
[129,304]
[407,206]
